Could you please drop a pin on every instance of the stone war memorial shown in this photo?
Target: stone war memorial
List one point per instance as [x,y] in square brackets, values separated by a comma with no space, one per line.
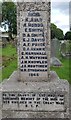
[33,91]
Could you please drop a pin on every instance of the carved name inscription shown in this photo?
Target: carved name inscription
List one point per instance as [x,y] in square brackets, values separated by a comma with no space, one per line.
[33,101]
[33,55]
[34,42]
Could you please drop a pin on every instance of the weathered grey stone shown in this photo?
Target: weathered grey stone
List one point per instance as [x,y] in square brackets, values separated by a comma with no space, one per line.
[41,96]
[55,62]
[55,88]
[0,104]
[33,20]
[55,47]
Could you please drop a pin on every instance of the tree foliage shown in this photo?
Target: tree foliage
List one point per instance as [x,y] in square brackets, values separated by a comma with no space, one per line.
[53,28]
[9,17]
[56,32]
[68,35]
[59,34]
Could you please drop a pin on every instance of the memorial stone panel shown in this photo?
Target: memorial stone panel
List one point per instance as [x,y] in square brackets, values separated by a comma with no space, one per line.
[34,97]
[33,44]
[33,101]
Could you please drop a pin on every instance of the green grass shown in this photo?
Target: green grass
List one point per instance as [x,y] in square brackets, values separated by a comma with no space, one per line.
[9,61]
[9,50]
[7,71]
[64,71]
[0,75]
